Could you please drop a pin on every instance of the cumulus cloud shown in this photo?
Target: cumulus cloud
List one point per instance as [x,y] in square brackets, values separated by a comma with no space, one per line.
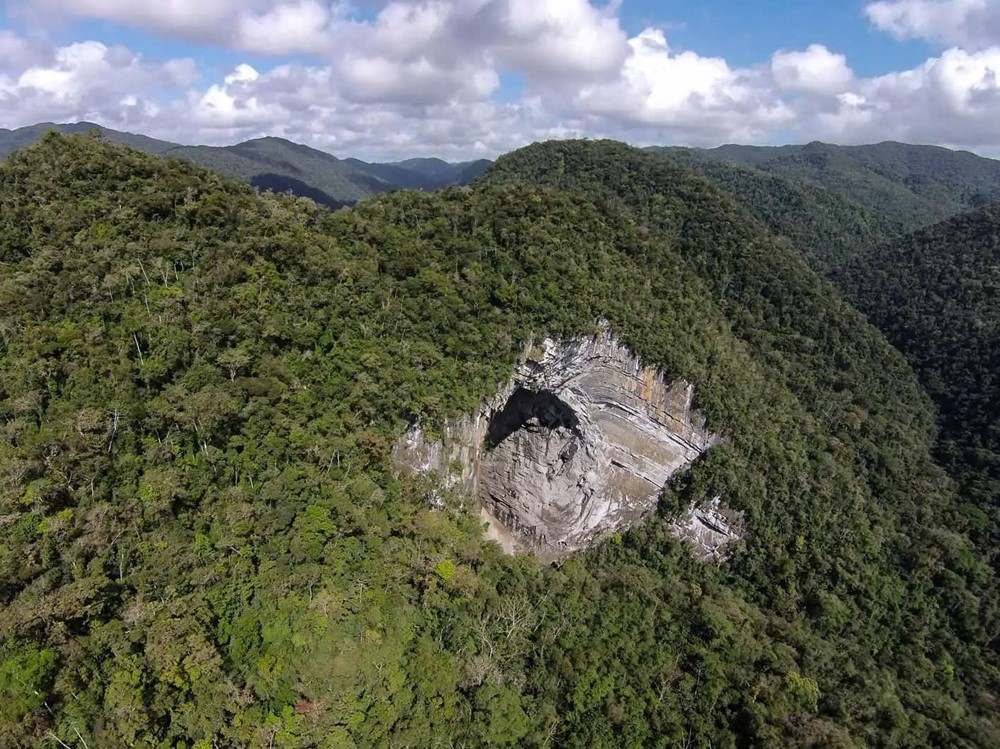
[815,70]
[303,103]
[561,37]
[409,44]
[966,23]
[702,98]
[87,79]
[196,20]
[300,26]
[412,77]
[951,99]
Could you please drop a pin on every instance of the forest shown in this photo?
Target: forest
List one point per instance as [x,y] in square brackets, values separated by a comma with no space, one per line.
[205,544]
[934,294]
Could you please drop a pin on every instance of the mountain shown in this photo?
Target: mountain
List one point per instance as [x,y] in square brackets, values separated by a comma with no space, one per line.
[276,164]
[396,175]
[827,227]
[427,167]
[912,186]
[11,140]
[205,541]
[931,292]
[444,174]
[934,294]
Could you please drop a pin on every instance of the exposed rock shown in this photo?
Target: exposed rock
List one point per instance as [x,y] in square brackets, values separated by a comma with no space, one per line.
[577,445]
[708,530]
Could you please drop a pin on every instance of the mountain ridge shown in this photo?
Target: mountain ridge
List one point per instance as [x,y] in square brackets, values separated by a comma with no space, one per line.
[275,163]
[934,294]
[911,185]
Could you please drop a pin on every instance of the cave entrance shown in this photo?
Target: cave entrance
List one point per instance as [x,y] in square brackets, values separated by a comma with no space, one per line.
[526,409]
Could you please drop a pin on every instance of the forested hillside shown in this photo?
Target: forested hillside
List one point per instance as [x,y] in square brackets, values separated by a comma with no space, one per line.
[282,166]
[828,227]
[205,544]
[279,165]
[909,184]
[11,140]
[936,296]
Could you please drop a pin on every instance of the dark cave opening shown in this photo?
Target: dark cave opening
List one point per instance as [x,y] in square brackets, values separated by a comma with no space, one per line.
[526,409]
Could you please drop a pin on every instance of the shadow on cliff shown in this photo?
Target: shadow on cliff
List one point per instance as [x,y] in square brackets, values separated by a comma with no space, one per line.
[529,410]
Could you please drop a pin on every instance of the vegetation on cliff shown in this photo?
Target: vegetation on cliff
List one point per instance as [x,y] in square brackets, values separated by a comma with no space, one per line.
[204,542]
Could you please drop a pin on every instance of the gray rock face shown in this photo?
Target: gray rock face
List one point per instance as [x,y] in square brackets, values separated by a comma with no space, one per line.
[577,445]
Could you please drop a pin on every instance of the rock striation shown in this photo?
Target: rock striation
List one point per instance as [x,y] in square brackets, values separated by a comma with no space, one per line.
[578,444]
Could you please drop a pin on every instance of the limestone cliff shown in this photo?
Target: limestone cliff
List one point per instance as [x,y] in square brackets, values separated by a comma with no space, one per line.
[578,444]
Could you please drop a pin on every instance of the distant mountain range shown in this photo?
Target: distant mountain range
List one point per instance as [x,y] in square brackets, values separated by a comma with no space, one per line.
[918,185]
[831,201]
[281,165]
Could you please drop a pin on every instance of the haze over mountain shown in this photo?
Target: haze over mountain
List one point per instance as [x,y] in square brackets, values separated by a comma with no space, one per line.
[280,165]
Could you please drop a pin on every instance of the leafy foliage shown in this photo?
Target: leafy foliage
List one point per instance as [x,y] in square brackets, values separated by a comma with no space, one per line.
[912,185]
[204,542]
[827,226]
[934,295]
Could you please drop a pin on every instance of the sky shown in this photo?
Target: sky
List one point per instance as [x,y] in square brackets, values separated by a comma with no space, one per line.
[463,79]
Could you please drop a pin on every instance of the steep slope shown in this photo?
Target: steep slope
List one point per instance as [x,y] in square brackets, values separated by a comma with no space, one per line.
[933,292]
[279,164]
[912,185]
[753,284]
[936,296]
[826,226]
[204,540]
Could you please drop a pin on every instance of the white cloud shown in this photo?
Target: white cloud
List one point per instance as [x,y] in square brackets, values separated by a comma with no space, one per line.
[16,51]
[88,80]
[300,26]
[411,50]
[423,76]
[815,70]
[951,99]
[698,98]
[561,37]
[967,23]
[197,20]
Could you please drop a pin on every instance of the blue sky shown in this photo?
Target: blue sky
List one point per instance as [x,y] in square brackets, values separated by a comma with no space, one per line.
[748,32]
[742,32]
[467,78]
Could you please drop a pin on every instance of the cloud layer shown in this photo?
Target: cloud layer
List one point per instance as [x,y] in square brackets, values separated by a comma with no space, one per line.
[407,77]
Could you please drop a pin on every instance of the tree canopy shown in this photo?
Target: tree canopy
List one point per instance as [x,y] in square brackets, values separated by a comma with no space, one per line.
[205,543]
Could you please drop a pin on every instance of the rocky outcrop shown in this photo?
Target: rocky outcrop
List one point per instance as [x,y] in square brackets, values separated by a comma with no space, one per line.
[708,530]
[577,445]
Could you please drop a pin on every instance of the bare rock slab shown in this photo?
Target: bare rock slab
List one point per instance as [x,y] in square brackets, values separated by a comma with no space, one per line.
[579,444]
